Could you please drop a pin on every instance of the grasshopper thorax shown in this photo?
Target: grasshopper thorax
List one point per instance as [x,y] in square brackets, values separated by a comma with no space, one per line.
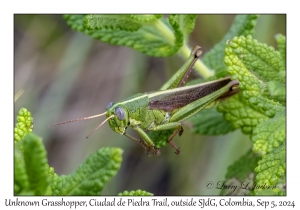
[119,117]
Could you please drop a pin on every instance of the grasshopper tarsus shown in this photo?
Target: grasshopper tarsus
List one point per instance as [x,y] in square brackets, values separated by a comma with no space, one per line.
[177,152]
[157,152]
[177,149]
[148,153]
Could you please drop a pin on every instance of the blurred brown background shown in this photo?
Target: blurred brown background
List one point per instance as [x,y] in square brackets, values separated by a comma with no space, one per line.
[67,75]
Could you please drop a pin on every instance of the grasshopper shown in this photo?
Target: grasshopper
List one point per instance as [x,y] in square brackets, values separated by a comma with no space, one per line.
[165,109]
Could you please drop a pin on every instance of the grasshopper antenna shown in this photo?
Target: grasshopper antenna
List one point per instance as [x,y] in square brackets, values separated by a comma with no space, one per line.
[100,125]
[84,118]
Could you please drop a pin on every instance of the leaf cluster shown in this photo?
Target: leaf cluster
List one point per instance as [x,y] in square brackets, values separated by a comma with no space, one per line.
[154,35]
[33,175]
[261,72]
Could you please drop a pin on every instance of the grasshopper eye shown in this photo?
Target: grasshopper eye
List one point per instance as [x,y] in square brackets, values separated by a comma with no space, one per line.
[110,104]
[120,113]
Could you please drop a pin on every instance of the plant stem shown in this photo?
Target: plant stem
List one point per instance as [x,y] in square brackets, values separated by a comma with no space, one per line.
[199,66]
[165,31]
[185,51]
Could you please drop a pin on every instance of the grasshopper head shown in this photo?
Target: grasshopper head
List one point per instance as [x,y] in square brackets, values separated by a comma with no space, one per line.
[120,121]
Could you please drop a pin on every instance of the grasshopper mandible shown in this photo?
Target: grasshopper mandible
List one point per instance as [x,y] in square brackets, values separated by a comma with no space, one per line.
[164,109]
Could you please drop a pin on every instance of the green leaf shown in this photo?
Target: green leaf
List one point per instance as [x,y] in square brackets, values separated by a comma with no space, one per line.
[116,22]
[135,193]
[36,164]
[277,91]
[262,60]
[21,183]
[243,54]
[91,176]
[281,44]
[154,37]
[261,74]
[243,166]
[160,138]
[241,114]
[242,25]
[146,18]
[211,122]
[24,124]
[269,134]
[271,170]
[185,24]
[75,22]
[241,174]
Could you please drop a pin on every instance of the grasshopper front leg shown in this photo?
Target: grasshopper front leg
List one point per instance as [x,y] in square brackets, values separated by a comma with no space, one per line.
[146,143]
[143,144]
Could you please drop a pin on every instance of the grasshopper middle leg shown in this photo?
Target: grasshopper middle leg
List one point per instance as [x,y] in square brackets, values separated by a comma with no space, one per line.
[178,131]
[170,126]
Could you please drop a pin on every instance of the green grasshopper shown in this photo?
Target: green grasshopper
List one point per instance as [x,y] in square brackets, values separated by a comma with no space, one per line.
[165,109]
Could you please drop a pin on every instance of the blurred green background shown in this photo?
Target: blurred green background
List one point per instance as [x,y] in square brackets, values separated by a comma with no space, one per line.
[67,75]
